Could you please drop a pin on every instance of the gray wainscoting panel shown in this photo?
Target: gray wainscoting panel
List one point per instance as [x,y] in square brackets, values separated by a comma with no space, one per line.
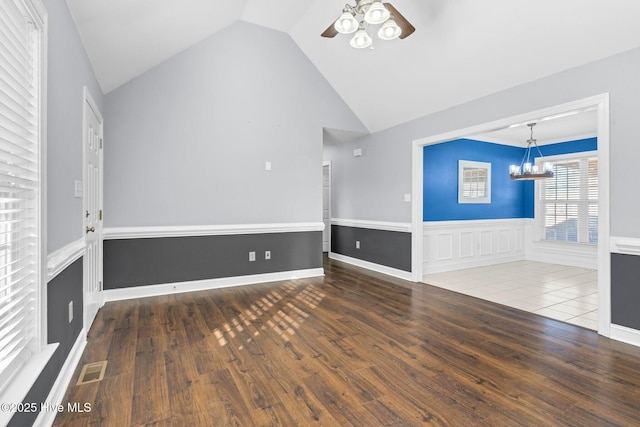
[388,248]
[65,287]
[151,261]
[625,290]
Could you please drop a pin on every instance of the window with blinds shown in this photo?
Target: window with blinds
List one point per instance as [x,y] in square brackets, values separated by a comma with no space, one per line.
[20,140]
[569,201]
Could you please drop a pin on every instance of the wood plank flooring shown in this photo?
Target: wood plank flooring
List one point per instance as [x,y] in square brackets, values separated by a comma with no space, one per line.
[352,348]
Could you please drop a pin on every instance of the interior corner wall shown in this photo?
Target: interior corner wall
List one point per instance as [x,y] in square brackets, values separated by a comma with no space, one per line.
[187,142]
[68,71]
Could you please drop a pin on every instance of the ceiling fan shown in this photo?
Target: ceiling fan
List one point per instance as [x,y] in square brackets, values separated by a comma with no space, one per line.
[370,12]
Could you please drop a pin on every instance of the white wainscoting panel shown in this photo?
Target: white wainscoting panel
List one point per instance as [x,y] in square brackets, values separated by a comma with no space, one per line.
[466,244]
[444,247]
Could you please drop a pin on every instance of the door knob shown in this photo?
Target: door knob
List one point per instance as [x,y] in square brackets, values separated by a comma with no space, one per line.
[92,229]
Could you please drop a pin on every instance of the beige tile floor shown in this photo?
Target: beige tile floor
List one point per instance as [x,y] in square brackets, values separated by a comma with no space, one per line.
[560,292]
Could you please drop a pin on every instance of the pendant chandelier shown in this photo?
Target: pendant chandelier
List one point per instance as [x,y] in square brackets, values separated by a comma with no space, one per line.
[527,169]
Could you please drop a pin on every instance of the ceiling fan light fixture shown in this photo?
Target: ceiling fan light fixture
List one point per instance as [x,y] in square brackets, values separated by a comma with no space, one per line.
[377,13]
[361,39]
[346,23]
[389,30]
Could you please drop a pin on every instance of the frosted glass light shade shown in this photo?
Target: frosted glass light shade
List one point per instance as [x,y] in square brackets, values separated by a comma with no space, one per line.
[389,30]
[377,13]
[346,23]
[361,39]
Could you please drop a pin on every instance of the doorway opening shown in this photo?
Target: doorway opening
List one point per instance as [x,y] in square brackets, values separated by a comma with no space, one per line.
[601,106]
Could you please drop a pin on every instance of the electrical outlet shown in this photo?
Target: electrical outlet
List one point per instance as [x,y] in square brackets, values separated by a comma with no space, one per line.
[70,311]
[267,254]
[252,256]
[357,244]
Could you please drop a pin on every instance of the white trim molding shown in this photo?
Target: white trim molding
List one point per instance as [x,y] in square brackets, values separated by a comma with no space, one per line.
[400,274]
[626,335]
[116,233]
[46,417]
[202,285]
[62,258]
[373,225]
[625,245]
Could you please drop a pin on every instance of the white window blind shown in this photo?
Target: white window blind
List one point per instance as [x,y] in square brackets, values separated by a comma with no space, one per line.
[569,201]
[19,185]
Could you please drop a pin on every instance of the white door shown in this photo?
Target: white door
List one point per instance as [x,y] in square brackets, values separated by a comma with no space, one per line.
[326,206]
[92,202]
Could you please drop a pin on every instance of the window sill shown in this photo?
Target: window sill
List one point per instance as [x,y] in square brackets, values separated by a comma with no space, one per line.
[21,384]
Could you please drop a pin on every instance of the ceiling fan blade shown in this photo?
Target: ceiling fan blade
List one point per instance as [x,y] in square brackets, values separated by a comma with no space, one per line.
[330,32]
[405,26]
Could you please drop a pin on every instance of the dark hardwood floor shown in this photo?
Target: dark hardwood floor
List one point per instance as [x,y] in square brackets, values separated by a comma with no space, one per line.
[352,348]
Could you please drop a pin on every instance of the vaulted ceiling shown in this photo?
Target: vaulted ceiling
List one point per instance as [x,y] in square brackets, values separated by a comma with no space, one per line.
[461,50]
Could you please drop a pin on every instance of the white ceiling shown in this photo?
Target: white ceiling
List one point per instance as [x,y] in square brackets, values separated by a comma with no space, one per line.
[569,126]
[461,50]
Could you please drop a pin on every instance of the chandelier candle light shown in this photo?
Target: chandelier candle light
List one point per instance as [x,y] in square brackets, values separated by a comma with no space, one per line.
[357,19]
[527,170]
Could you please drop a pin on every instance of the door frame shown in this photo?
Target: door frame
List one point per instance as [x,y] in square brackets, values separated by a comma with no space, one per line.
[89,102]
[327,163]
[601,104]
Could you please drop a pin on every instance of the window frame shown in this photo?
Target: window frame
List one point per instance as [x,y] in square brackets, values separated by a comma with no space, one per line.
[23,379]
[539,214]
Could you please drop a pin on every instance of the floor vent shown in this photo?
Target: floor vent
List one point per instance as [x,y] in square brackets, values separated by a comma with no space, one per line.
[92,372]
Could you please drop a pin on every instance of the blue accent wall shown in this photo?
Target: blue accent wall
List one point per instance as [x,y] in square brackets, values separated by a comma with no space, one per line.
[509,199]
[440,181]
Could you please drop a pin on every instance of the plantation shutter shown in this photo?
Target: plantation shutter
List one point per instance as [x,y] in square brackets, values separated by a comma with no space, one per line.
[19,186]
[569,201]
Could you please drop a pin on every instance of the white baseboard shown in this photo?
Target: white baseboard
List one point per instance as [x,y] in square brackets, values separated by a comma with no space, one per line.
[202,285]
[400,274]
[46,418]
[626,335]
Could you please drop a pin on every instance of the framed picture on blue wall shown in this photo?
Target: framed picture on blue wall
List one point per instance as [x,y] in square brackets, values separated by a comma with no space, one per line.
[474,182]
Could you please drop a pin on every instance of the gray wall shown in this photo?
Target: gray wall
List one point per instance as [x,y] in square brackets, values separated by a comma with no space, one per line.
[68,71]
[371,187]
[625,290]
[388,248]
[138,262]
[187,142]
